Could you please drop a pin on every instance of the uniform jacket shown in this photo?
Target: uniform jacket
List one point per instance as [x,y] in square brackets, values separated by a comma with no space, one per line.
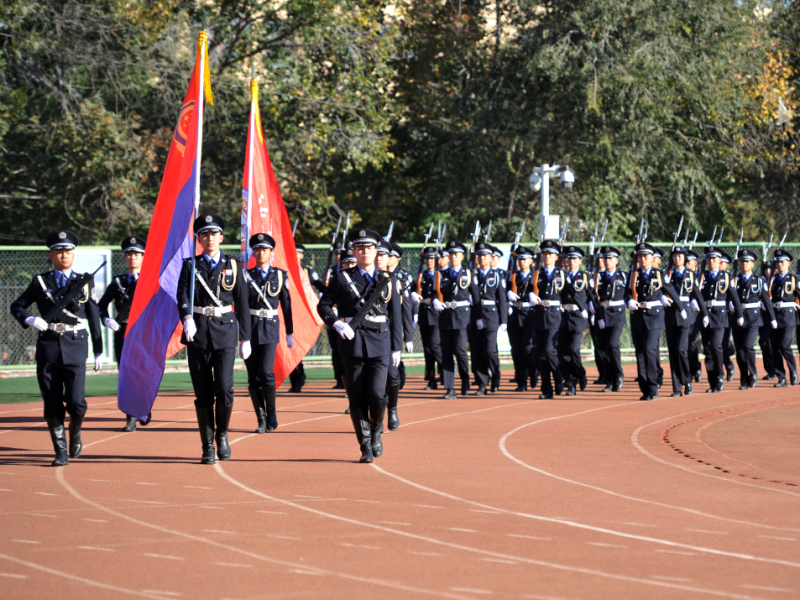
[785,290]
[428,316]
[719,292]
[120,292]
[686,286]
[549,317]
[71,347]
[346,290]
[753,292]
[611,290]
[215,332]
[493,305]
[460,288]
[407,306]
[268,294]
[523,311]
[651,290]
[576,292]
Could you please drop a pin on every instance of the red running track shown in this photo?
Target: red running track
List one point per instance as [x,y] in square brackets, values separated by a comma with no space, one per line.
[503,496]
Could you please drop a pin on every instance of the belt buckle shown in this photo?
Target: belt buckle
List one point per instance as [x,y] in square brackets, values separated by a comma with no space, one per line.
[208,311]
[60,327]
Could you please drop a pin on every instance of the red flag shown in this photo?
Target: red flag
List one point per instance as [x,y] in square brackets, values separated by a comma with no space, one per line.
[263,211]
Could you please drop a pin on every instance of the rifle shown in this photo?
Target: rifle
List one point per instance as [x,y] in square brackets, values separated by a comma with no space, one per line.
[294,227]
[633,273]
[68,294]
[703,262]
[512,258]
[437,280]
[344,233]
[369,303]
[675,237]
[422,260]
[488,235]
[388,237]
[694,240]
[766,253]
[538,266]
[736,256]
[475,235]
[591,248]
[597,258]
[327,277]
[772,266]
[719,239]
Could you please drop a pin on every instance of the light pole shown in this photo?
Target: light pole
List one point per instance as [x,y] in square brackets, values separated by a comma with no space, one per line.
[540,182]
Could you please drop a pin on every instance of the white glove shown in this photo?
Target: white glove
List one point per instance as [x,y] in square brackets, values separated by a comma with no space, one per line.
[335,311]
[584,314]
[601,323]
[245,350]
[730,305]
[438,306]
[37,322]
[503,327]
[111,324]
[740,321]
[534,299]
[773,324]
[761,305]
[695,307]
[706,321]
[684,314]
[471,302]
[592,320]
[591,307]
[98,362]
[510,310]
[190,329]
[416,297]
[289,340]
[409,347]
[512,297]
[344,330]
[416,320]
[396,359]
[666,301]
[633,304]
[479,323]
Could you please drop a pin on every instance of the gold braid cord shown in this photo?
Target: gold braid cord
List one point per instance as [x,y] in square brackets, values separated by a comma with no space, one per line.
[222,282]
[272,293]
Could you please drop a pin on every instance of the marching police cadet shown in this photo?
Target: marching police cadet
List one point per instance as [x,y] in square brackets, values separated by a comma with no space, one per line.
[210,332]
[63,342]
[600,268]
[497,255]
[405,279]
[429,319]
[611,289]
[753,293]
[458,293]
[488,315]
[443,259]
[727,345]
[783,291]
[340,254]
[644,293]
[298,375]
[715,285]
[677,327]
[520,323]
[547,318]
[370,346]
[695,368]
[575,297]
[267,287]
[120,292]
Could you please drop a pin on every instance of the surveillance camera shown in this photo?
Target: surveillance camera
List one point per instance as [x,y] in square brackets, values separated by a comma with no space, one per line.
[567,179]
[535,182]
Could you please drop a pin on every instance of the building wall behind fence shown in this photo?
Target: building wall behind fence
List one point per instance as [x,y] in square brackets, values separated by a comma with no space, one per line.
[19,264]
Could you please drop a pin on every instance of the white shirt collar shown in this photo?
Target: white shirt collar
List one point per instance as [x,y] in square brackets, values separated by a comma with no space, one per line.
[486,272]
[67,273]
[212,259]
[371,272]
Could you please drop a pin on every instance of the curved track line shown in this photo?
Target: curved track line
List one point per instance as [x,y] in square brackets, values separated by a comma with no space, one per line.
[640,448]
[470,549]
[305,567]
[472,412]
[5,412]
[50,571]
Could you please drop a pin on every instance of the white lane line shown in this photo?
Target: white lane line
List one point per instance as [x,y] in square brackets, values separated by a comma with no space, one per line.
[97,520]
[302,496]
[425,506]
[423,553]
[706,531]
[538,597]
[145,483]
[462,529]
[471,412]
[100,480]
[500,560]
[225,564]
[765,588]
[140,501]
[43,515]
[470,590]
[13,575]
[489,512]
[50,571]
[26,541]
[5,412]
[211,507]
[218,531]
[281,537]
[394,523]
[271,512]
[96,548]
[605,545]
[530,537]
[775,537]
[379,502]
[5,490]
[45,494]
[665,578]
[542,563]
[349,545]
[305,568]
[198,487]
[638,524]
[676,552]
[164,556]
[163,593]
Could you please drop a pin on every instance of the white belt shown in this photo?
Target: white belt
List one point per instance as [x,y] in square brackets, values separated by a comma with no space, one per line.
[711,303]
[521,304]
[456,304]
[64,328]
[212,311]
[571,307]
[370,318]
[751,305]
[609,303]
[785,305]
[488,302]
[550,303]
[653,304]
[685,299]
[264,312]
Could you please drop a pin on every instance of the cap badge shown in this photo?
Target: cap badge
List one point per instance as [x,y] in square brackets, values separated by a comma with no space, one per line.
[208,219]
[362,233]
[62,235]
[133,240]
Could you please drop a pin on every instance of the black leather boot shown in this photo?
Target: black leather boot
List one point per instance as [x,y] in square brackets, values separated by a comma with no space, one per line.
[376,428]
[269,396]
[393,391]
[59,438]
[75,445]
[205,422]
[464,387]
[363,434]
[257,397]
[130,424]
[223,418]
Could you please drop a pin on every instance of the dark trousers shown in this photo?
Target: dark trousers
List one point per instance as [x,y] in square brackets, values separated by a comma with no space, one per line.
[486,358]
[782,351]
[569,352]
[515,337]
[678,346]
[393,375]
[694,350]
[366,384]
[212,375]
[608,344]
[454,342]
[531,355]
[297,374]
[645,343]
[336,359]
[594,331]
[547,357]
[745,342]
[432,347]
[715,359]
[765,343]
[261,365]
[727,349]
[63,389]
[472,342]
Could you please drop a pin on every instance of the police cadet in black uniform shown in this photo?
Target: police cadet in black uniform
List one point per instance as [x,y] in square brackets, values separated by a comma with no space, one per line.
[211,334]
[547,319]
[678,328]
[612,284]
[339,253]
[695,368]
[717,289]
[599,267]
[753,294]
[405,279]
[458,294]
[497,256]
[429,319]
[575,297]
[520,323]
[783,291]
[120,292]
[63,343]
[376,343]
[647,317]
[298,376]
[728,351]
[488,316]
[267,287]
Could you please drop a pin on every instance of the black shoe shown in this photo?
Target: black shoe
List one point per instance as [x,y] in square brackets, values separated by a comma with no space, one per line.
[794,378]
[269,401]
[781,384]
[257,397]
[608,388]
[146,422]
[481,391]
[753,381]
[769,377]
[464,389]
[546,396]
[675,395]
[59,438]
[646,397]
[570,390]
[393,422]
[223,419]
[130,424]
[583,383]
[495,389]
[599,381]
[559,388]
[366,452]
[687,390]
[75,445]
[339,386]
[393,392]
[618,384]
[698,375]
[450,395]
[712,390]
[743,387]
[534,382]
[432,385]
[521,388]
[205,422]
[293,390]
[376,442]
[347,410]
[730,373]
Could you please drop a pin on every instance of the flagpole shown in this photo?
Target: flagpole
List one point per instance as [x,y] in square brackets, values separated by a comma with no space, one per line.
[250,153]
[200,106]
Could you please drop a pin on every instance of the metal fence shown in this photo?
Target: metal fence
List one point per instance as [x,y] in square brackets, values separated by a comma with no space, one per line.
[19,264]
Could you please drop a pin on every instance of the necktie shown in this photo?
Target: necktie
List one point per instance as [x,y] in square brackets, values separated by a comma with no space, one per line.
[62,279]
[367,278]
[453,273]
